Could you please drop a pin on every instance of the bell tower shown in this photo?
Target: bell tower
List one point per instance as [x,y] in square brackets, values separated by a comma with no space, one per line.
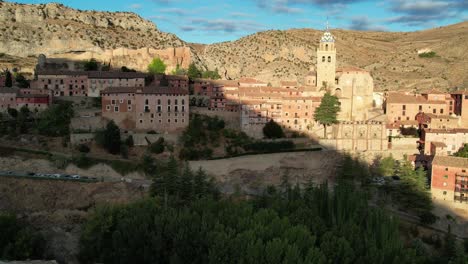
[326,61]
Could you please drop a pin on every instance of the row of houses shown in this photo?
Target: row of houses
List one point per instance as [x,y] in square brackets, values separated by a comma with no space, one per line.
[91,83]
[15,98]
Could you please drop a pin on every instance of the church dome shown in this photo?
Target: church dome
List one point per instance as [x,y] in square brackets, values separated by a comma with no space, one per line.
[327,37]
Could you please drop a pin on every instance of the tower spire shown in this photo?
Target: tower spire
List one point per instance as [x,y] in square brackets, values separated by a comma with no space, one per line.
[327,25]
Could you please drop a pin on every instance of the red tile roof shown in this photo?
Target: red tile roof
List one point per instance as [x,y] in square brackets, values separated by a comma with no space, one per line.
[449,161]
[146,90]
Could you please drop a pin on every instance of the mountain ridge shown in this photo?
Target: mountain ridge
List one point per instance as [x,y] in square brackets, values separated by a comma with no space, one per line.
[125,38]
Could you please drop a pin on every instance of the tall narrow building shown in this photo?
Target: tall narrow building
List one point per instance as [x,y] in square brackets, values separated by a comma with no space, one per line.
[326,61]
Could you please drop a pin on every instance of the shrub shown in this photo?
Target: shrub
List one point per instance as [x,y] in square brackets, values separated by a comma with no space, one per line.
[261,146]
[83,148]
[158,146]
[430,54]
[273,130]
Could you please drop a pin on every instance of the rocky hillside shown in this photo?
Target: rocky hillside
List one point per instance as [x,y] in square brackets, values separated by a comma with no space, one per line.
[391,57]
[124,38]
[61,32]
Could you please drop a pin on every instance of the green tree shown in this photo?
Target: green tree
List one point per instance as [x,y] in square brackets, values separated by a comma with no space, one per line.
[91,65]
[157,66]
[21,81]
[129,141]
[326,113]
[273,130]
[193,72]
[463,152]
[387,166]
[158,146]
[55,121]
[8,79]
[109,138]
[214,75]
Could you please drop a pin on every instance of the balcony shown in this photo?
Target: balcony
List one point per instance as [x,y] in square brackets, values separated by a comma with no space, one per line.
[461,199]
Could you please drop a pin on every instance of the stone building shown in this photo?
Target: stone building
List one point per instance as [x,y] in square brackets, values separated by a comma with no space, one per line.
[401,107]
[449,180]
[453,139]
[162,109]
[326,61]
[15,98]
[85,83]
[358,136]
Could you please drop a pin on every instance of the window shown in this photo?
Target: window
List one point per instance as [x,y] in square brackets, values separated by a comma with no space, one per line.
[175,120]
[175,101]
[445,192]
[159,101]
[146,101]
[404,107]
[129,102]
[329,59]
[183,108]
[183,120]
[116,109]
[121,101]
[107,107]
[434,111]
[168,101]
[129,108]
[141,121]
[446,169]
[113,102]
[446,176]
[168,108]
[323,60]
[420,108]
[168,120]
[441,111]
[159,108]
[183,101]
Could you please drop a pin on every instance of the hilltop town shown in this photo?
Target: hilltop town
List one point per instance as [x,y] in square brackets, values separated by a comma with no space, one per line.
[119,143]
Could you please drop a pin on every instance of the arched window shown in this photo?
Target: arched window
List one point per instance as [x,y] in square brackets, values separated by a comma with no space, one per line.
[338,92]
[183,101]
[168,101]
[329,58]
[146,101]
[326,47]
[159,101]
[323,58]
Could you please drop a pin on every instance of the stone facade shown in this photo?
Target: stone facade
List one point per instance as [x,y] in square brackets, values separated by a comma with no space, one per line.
[81,83]
[162,109]
[359,136]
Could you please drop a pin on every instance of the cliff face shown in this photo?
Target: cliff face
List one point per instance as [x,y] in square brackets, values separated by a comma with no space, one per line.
[61,32]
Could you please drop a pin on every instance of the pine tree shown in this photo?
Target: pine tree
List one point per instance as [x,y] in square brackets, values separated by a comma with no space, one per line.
[8,79]
[326,113]
[193,72]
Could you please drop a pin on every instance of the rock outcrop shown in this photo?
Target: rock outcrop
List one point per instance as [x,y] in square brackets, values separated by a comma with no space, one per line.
[121,38]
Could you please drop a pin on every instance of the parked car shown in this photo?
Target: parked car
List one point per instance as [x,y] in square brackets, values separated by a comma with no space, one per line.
[75,176]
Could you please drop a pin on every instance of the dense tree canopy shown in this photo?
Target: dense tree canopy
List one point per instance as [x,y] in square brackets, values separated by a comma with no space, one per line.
[326,113]
[8,79]
[157,66]
[55,121]
[289,225]
[193,72]
[18,241]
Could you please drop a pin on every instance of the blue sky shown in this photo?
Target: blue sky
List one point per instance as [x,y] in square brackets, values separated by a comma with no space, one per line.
[209,21]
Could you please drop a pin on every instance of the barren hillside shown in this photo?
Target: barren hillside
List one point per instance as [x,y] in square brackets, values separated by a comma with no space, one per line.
[126,39]
[391,56]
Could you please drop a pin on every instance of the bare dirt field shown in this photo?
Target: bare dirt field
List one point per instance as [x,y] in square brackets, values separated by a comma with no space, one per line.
[251,173]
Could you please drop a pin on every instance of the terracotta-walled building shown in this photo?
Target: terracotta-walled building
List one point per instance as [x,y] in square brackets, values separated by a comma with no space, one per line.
[34,99]
[449,179]
[2,80]
[7,98]
[453,139]
[162,109]
[85,83]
